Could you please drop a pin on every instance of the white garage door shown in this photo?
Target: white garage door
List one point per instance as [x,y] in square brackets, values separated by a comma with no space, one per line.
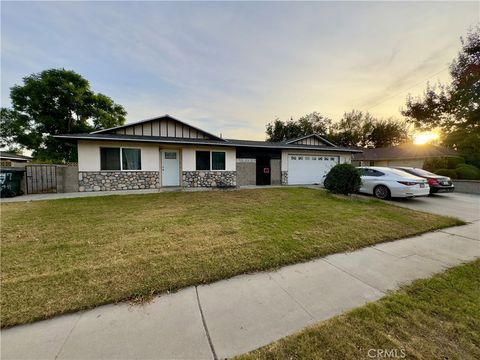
[309,169]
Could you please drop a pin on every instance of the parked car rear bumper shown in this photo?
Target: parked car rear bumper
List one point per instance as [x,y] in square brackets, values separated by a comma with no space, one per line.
[438,189]
[410,192]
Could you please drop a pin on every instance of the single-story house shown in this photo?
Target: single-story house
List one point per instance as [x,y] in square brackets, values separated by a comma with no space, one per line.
[407,154]
[13,160]
[165,151]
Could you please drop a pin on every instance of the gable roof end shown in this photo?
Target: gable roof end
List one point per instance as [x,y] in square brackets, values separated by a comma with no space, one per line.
[154,119]
[289,141]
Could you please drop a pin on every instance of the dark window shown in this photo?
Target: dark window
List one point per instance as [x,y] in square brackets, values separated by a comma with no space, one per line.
[110,158]
[131,159]
[377,173]
[218,160]
[372,172]
[203,160]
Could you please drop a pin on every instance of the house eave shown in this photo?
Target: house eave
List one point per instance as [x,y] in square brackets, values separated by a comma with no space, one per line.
[185,141]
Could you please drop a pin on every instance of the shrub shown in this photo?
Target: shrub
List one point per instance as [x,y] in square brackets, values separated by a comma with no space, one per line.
[443,163]
[453,162]
[451,173]
[343,179]
[467,172]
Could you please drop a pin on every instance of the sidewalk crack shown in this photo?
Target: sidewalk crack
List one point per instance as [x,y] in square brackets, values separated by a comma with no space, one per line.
[292,297]
[68,336]
[204,322]
[355,277]
[462,236]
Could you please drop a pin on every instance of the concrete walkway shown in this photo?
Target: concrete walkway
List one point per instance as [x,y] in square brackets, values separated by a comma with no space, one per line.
[234,316]
[56,196]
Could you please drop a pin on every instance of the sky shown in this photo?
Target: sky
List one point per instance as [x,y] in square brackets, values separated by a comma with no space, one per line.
[232,67]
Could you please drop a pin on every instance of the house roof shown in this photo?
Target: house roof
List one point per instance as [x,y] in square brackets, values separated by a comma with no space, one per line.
[112,134]
[290,141]
[222,142]
[10,156]
[405,151]
[166,116]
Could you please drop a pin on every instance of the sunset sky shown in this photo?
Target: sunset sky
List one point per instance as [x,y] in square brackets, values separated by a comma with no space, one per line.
[232,67]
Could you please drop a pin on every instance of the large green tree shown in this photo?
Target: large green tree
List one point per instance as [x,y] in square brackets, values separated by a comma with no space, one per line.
[355,128]
[313,123]
[352,129]
[53,102]
[454,107]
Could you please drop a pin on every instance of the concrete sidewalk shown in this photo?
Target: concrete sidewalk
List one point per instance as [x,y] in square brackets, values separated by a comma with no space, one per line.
[73,195]
[234,316]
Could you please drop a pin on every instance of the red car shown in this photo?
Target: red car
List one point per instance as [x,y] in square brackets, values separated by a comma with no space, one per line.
[436,182]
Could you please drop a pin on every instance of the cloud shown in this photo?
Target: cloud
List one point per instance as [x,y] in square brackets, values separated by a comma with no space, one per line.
[233,67]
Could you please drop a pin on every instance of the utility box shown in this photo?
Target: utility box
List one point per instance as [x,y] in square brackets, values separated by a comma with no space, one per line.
[11,182]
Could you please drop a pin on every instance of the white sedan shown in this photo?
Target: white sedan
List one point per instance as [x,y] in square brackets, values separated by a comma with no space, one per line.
[384,182]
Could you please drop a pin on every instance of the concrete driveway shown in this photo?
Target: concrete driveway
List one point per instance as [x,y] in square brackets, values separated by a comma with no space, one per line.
[465,207]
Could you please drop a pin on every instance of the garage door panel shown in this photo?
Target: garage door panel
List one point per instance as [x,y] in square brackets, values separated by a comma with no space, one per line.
[309,169]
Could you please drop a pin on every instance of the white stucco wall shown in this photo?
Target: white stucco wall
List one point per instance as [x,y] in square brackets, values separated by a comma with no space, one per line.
[189,162]
[344,157]
[89,154]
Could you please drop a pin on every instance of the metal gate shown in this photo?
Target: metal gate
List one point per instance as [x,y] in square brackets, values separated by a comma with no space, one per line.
[41,179]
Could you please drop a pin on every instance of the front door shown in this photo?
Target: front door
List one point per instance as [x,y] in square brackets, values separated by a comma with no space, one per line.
[263,170]
[170,168]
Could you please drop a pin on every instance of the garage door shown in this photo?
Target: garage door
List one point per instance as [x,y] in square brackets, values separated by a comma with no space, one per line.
[309,169]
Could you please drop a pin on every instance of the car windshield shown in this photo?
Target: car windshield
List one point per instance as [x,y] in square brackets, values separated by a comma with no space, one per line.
[400,172]
[421,172]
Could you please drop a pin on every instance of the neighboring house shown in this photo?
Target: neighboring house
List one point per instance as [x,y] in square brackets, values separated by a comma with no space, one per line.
[13,160]
[402,155]
[164,151]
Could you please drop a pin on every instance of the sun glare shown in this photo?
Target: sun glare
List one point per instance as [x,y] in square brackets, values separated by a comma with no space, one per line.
[425,137]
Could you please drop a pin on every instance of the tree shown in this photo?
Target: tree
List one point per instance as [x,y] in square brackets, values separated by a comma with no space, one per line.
[352,129]
[454,107]
[313,123]
[357,128]
[53,102]
[387,132]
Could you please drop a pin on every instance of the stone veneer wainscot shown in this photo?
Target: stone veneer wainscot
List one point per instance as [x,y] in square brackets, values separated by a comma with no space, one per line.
[284,179]
[209,178]
[117,180]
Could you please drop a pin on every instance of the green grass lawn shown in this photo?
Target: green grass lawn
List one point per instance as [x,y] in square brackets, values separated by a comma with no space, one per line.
[65,255]
[437,318]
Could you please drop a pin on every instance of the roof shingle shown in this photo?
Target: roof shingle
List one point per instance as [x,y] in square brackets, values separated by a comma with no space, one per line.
[405,151]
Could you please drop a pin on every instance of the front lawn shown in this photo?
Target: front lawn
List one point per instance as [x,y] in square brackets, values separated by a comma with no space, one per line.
[65,255]
[437,318]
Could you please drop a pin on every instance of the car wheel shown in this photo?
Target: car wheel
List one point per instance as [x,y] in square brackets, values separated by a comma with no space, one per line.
[381,192]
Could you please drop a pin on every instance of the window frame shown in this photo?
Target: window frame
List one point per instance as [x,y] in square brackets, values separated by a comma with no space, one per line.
[211,159]
[120,149]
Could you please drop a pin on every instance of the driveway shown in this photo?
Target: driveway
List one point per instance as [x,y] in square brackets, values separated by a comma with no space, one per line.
[462,206]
